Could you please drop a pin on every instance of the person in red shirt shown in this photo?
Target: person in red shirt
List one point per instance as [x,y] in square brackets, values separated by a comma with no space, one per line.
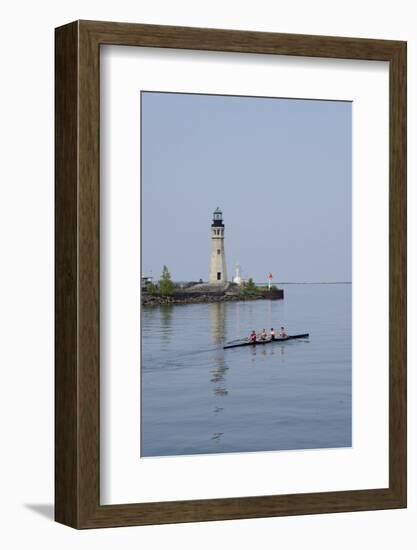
[252,337]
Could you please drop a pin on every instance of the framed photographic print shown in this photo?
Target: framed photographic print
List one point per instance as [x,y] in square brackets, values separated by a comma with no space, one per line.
[230,274]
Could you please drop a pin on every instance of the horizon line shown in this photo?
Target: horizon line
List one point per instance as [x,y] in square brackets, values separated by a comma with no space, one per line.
[285,282]
[314,282]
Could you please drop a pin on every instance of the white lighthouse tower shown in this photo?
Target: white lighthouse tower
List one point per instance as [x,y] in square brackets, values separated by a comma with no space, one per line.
[218,273]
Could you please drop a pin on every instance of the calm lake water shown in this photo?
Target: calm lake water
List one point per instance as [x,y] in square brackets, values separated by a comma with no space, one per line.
[198,398]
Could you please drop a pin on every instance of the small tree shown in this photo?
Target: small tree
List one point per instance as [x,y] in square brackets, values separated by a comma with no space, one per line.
[250,286]
[166,286]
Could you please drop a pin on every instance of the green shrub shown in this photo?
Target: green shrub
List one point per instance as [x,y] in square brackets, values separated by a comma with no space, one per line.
[151,288]
[250,286]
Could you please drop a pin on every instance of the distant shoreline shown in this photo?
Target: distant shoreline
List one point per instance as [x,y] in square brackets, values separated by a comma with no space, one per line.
[314,283]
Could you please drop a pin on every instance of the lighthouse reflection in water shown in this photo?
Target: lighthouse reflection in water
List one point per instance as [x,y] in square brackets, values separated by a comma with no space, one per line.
[198,398]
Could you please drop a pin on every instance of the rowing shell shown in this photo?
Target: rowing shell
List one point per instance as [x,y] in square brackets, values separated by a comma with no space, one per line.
[262,342]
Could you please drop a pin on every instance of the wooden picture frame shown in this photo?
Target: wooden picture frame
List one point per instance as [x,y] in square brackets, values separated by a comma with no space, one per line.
[77,371]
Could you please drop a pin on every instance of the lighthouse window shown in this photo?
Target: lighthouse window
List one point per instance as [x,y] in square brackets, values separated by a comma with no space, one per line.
[219,275]
[218,251]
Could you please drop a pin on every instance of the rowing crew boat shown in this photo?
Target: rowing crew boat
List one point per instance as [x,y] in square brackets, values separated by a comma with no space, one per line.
[262,342]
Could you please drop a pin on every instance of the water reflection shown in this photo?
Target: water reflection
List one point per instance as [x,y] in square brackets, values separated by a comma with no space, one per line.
[237,316]
[165,312]
[270,350]
[217,321]
[218,375]
[219,371]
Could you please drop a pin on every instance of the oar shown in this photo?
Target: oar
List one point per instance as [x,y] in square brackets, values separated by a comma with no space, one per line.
[238,340]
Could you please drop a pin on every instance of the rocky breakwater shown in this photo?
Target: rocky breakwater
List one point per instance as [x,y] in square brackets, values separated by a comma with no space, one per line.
[209,293]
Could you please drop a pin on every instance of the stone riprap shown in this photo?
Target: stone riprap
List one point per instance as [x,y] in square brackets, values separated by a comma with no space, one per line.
[209,293]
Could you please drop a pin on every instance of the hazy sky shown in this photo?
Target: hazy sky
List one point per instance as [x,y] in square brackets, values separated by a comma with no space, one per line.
[280,169]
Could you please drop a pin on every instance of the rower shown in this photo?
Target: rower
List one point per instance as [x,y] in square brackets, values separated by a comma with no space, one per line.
[272,334]
[282,333]
[264,335]
[252,337]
